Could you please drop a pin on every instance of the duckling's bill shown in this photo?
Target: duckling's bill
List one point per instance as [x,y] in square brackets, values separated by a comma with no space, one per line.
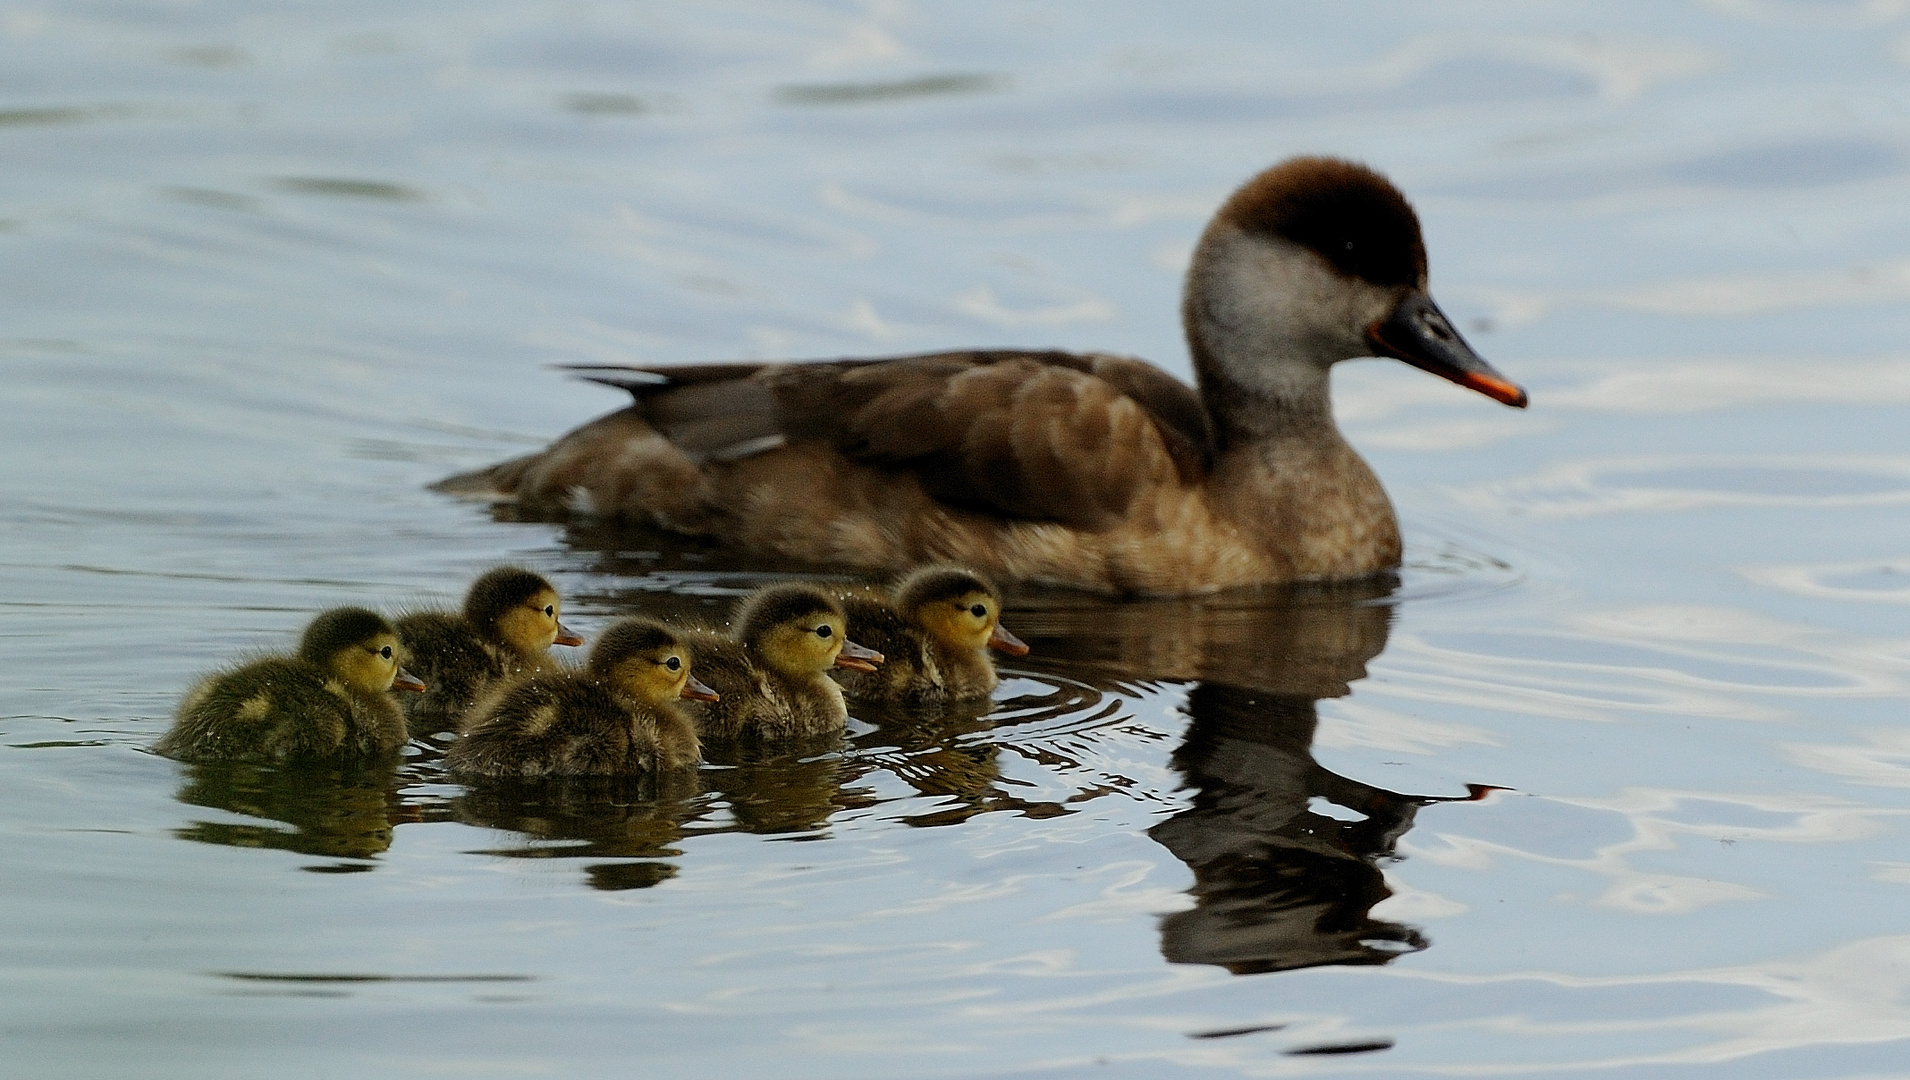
[1001,640]
[405,680]
[567,636]
[695,690]
[1420,334]
[857,657]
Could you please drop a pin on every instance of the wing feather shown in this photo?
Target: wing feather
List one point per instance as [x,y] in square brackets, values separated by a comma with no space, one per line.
[1042,436]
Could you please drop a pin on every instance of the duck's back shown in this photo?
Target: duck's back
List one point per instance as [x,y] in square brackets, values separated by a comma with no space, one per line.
[567,724]
[908,672]
[746,700]
[443,650]
[1024,464]
[275,710]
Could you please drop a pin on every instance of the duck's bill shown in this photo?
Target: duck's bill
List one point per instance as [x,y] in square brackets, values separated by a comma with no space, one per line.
[405,680]
[1000,638]
[567,636]
[1420,334]
[695,690]
[857,657]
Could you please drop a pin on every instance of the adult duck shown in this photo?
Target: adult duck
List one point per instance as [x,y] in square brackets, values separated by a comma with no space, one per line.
[1090,470]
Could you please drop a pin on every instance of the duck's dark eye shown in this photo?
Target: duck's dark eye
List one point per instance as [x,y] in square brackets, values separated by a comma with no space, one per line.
[550,609]
[824,630]
[385,652]
[674,664]
[980,611]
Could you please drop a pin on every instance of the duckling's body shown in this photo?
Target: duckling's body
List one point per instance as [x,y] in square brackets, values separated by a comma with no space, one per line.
[1091,470]
[934,634]
[772,675]
[509,621]
[329,701]
[617,717]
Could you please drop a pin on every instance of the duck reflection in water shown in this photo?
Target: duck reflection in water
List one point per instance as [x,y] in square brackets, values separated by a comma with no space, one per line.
[338,810]
[1276,885]
[620,818]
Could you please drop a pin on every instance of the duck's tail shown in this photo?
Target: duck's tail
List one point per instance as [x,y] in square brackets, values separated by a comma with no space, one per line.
[493,483]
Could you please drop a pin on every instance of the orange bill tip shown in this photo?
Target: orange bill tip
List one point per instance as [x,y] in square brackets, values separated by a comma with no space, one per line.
[1497,389]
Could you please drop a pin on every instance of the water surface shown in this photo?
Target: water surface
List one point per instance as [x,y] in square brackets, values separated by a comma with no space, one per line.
[1613,781]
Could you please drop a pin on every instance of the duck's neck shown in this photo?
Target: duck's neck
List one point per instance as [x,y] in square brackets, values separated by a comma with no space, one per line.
[1282,472]
[796,686]
[1264,327]
[964,670]
[511,659]
[1283,398]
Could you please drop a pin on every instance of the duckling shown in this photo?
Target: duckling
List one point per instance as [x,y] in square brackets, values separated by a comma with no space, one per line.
[616,717]
[772,674]
[328,701]
[510,619]
[1091,470]
[934,636]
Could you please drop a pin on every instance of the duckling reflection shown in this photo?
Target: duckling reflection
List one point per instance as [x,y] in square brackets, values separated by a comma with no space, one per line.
[787,786]
[340,811]
[622,818]
[946,753]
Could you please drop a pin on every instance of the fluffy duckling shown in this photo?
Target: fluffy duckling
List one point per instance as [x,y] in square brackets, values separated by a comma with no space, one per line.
[509,622]
[330,700]
[616,717]
[773,672]
[934,634]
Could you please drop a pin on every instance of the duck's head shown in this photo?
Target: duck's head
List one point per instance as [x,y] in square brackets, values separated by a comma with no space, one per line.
[1315,261]
[359,648]
[648,661]
[798,631]
[517,609]
[958,608]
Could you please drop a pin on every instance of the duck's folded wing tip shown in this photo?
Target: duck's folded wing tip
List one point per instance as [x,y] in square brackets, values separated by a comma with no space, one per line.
[635,380]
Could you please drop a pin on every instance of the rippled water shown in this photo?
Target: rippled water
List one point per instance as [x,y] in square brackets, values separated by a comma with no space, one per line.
[1613,783]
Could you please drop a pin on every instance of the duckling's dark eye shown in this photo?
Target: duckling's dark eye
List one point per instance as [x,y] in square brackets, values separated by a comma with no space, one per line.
[824,630]
[550,609]
[674,664]
[980,611]
[385,652]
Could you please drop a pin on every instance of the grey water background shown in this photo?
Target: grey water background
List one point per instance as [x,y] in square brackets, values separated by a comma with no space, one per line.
[268,270]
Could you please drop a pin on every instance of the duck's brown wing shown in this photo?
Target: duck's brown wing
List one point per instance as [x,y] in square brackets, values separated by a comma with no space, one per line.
[1043,436]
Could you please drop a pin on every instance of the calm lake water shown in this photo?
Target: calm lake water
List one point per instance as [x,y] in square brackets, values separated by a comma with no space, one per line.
[268,270]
